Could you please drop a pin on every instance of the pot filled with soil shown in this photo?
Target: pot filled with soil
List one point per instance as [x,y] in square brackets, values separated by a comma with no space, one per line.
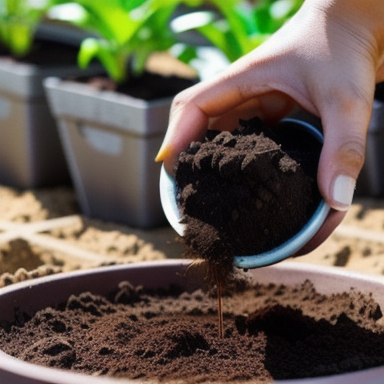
[31,154]
[112,126]
[248,197]
[110,137]
[157,322]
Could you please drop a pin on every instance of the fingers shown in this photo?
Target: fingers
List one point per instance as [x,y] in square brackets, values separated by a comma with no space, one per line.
[270,107]
[187,123]
[345,126]
[234,89]
[345,122]
[218,104]
[190,114]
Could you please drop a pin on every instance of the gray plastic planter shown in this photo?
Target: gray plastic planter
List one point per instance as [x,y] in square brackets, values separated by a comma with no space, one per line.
[30,296]
[30,151]
[110,142]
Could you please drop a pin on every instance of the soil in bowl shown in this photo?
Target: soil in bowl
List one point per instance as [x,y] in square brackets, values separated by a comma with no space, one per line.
[246,192]
[273,332]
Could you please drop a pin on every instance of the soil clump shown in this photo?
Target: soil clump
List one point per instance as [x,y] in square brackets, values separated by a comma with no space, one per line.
[247,191]
[273,332]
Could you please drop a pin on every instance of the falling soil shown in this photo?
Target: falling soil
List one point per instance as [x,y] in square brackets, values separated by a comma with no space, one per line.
[273,332]
[247,191]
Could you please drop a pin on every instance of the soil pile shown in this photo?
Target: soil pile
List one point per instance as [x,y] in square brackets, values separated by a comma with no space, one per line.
[246,192]
[271,331]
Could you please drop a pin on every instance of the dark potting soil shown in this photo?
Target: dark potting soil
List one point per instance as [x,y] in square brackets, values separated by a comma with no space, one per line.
[246,192]
[271,331]
[47,53]
[148,86]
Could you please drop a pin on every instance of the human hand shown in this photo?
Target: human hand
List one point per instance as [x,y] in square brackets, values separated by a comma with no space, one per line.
[326,59]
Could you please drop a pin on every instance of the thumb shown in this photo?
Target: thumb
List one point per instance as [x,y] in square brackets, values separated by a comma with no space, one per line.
[345,130]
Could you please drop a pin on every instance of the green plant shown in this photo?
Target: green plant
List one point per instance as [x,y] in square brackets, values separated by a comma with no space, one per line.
[238,26]
[18,22]
[127,32]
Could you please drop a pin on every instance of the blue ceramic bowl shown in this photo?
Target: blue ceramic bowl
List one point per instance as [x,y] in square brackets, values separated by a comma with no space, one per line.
[290,247]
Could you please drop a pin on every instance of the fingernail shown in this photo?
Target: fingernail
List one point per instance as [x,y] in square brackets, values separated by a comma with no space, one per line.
[163,154]
[160,156]
[343,190]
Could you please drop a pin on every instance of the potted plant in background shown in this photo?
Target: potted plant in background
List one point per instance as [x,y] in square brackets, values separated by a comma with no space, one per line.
[111,139]
[237,27]
[111,131]
[30,49]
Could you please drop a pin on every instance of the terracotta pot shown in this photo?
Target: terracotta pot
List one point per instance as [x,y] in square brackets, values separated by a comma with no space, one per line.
[31,296]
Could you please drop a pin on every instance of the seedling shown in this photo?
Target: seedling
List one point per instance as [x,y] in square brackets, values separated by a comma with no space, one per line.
[126,32]
[18,22]
[238,27]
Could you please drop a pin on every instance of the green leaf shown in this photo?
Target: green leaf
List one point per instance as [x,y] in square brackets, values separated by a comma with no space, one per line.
[187,53]
[112,60]
[108,18]
[128,5]
[18,22]
[88,50]
[240,26]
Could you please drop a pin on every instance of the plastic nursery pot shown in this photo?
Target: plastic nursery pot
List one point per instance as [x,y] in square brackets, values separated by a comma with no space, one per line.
[31,296]
[31,154]
[110,140]
[300,124]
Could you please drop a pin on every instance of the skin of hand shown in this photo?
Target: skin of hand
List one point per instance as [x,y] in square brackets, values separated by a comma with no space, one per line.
[327,60]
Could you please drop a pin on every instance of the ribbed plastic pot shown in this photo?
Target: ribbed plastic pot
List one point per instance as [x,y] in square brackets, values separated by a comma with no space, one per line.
[110,141]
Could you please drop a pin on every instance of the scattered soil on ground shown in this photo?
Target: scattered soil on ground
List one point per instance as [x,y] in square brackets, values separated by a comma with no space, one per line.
[357,244]
[64,240]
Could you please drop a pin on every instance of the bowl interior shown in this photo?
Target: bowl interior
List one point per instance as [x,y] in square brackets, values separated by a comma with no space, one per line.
[32,296]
